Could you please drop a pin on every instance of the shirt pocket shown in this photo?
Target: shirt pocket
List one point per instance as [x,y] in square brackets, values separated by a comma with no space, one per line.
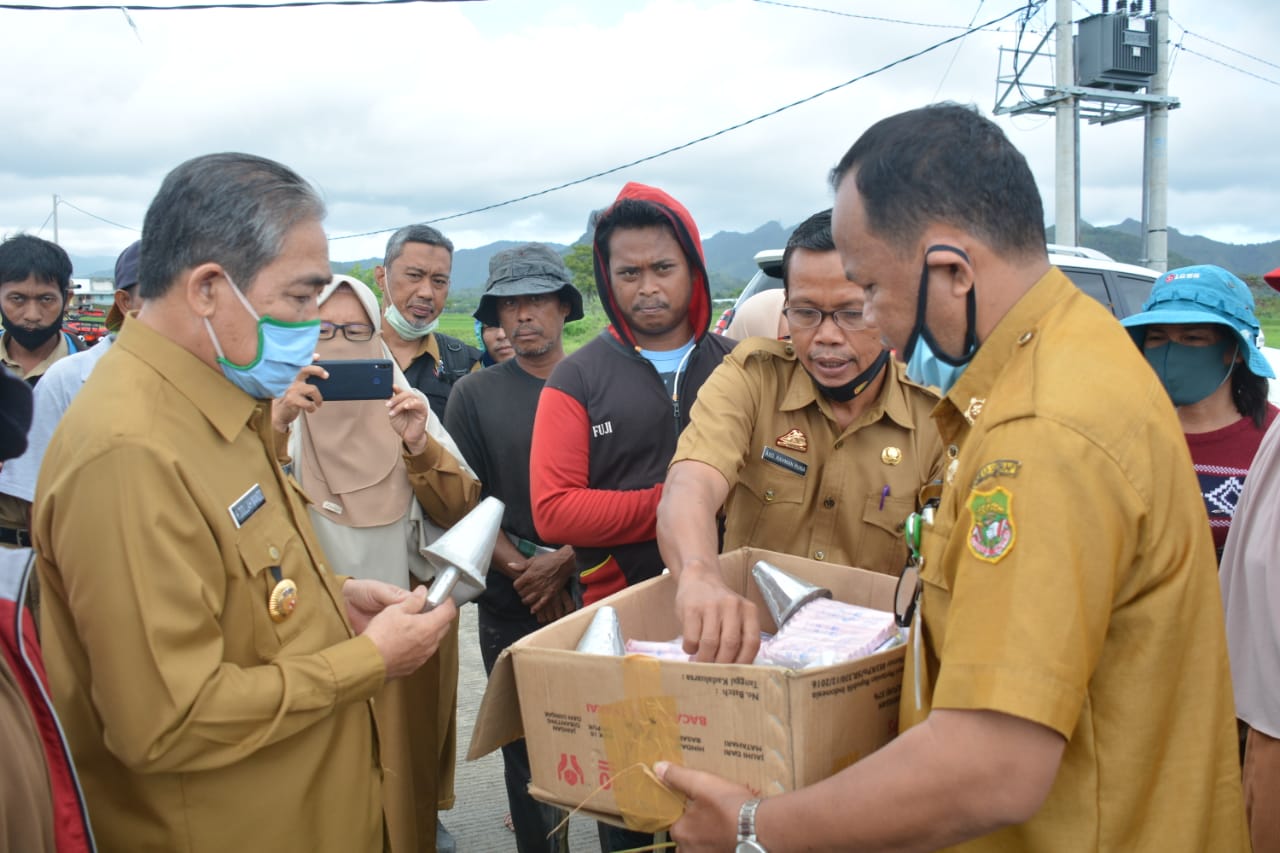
[265,543]
[882,546]
[768,491]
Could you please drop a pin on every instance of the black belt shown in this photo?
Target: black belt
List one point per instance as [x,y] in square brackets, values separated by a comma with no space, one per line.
[15,536]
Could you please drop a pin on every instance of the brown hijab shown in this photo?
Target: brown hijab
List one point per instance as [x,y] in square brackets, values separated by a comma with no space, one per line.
[351,460]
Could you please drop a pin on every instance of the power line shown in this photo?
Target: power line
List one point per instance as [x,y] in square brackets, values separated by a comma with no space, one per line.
[43,224]
[952,62]
[1030,6]
[93,7]
[863,17]
[1225,46]
[1228,65]
[97,217]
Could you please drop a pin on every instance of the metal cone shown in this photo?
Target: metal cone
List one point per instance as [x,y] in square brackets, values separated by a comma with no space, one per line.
[784,594]
[461,555]
[604,635]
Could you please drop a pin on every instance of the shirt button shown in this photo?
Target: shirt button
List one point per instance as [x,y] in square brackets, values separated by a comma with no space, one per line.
[274,552]
[819,555]
[839,444]
[768,494]
[1025,338]
[829,503]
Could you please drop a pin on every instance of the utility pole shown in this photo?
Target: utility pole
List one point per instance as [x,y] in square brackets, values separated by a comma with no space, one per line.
[1066,198]
[1155,153]
[1099,75]
[55,218]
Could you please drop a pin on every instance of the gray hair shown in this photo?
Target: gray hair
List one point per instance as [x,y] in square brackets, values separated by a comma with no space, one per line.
[415,234]
[230,209]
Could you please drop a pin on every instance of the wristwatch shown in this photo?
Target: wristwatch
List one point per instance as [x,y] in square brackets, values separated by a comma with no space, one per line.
[747,842]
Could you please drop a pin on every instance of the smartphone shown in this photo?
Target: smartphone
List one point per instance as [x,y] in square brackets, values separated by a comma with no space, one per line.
[356,379]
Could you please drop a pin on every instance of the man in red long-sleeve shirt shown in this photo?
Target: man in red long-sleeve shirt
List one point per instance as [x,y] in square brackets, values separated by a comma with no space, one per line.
[610,413]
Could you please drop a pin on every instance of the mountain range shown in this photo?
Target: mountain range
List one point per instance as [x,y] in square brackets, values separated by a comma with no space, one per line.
[729,254]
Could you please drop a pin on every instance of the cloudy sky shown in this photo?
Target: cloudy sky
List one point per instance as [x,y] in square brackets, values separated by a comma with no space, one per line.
[413,112]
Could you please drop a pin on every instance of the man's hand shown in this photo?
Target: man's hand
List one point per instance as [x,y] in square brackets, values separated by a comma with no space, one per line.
[542,577]
[297,398]
[710,820]
[719,626]
[560,605]
[365,599]
[406,636]
[408,412]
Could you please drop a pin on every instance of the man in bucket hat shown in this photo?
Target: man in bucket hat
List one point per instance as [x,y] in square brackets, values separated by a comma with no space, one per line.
[490,413]
[1198,332]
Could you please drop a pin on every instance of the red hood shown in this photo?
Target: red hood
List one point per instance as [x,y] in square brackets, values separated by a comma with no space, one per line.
[686,231]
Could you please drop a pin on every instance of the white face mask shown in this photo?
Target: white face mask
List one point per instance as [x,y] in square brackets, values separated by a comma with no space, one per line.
[404,328]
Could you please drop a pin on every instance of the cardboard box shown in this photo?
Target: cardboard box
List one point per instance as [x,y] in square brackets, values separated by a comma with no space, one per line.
[767,727]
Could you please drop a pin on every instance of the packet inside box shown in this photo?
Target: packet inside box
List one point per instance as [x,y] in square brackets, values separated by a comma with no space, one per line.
[768,727]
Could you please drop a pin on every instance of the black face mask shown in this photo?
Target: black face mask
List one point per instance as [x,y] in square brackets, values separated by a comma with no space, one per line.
[31,339]
[855,386]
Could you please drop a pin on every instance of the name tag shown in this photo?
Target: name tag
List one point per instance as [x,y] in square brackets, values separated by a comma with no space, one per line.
[246,505]
[782,460]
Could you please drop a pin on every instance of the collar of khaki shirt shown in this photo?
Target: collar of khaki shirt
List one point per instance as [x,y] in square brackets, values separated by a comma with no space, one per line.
[225,406]
[428,345]
[60,351]
[892,402]
[1010,342]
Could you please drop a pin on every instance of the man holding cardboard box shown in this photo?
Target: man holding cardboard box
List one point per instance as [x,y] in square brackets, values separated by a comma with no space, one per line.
[1067,686]
[818,446]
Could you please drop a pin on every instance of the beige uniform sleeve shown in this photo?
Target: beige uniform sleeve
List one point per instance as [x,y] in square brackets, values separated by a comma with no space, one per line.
[188,671]
[13,511]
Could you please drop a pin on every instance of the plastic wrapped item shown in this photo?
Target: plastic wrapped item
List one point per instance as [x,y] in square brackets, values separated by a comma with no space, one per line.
[668,650]
[674,649]
[825,632]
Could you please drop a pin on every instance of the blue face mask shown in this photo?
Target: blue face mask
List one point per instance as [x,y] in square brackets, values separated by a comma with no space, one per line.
[1190,373]
[927,364]
[283,350]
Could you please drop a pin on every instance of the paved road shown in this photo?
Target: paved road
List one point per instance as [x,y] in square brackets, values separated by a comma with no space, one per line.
[476,819]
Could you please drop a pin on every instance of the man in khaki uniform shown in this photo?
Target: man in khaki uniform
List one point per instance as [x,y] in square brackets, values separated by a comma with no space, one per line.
[414,277]
[211,672]
[1067,685]
[817,446]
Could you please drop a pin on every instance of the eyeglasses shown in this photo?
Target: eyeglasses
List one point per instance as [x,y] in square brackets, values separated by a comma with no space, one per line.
[355,332]
[811,318]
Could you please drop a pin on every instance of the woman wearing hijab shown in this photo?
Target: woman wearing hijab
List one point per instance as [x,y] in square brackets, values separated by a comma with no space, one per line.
[384,477]
[1198,331]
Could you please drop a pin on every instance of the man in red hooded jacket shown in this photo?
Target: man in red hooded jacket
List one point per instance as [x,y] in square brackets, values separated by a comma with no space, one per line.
[610,414]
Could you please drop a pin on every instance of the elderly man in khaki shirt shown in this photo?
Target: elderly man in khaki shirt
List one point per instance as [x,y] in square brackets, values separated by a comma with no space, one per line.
[818,446]
[212,673]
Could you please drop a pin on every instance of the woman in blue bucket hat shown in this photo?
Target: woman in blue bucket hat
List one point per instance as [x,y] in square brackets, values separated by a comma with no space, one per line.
[1199,333]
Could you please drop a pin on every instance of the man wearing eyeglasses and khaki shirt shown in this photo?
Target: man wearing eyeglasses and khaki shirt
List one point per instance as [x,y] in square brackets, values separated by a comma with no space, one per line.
[818,446]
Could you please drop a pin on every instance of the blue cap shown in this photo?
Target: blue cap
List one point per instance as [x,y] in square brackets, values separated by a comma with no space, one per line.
[1200,295]
[127,266]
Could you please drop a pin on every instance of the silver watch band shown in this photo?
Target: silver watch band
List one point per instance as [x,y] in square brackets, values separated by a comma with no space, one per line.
[747,820]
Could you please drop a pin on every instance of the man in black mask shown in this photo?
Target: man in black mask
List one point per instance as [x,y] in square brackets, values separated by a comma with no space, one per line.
[818,446]
[35,282]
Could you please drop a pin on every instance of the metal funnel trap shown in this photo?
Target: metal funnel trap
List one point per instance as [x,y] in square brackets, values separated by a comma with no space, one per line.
[461,555]
[604,635]
[784,594]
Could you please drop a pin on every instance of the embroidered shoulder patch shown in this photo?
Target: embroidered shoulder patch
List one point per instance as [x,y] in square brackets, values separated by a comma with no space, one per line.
[793,440]
[993,534]
[997,468]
